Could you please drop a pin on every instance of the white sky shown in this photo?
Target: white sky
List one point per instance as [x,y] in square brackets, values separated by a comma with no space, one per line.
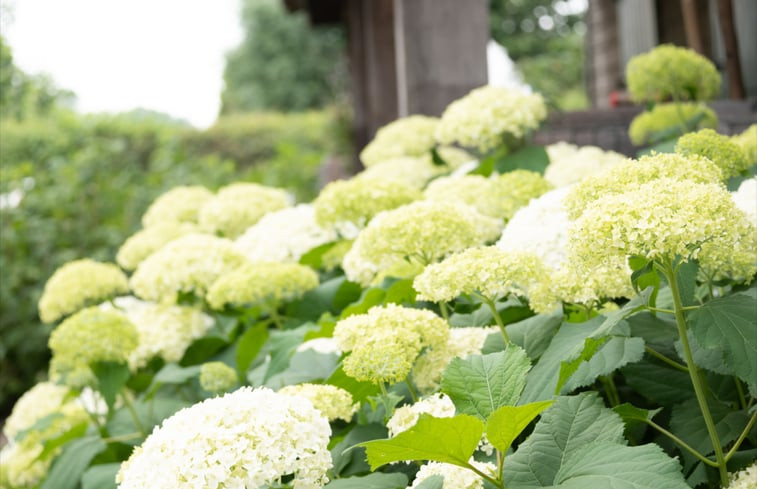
[117,55]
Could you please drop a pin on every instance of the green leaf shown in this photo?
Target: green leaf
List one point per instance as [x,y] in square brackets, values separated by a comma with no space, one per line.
[436,481]
[323,299]
[729,323]
[305,366]
[349,459]
[609,465]
[658,383]
[314,257]
[100,476]
[52,444]
[568,368]
[617,352]
[151,413]
[506,423]
[249,345]
[534,158]
[635,419]
[172,373]
[436,158]
[202,349]
[69,466]
[282,346]
[707,358]
[401,292]
[111,378]
[567,426]
[448,440]
[688,424]
[614,318]
[535,333]
[360,390]
[41,424]
[377,480]
[479,384]
[371,297]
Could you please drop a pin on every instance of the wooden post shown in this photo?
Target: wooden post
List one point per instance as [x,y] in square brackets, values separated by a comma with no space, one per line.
[730,42]
[605,70]
[691,24]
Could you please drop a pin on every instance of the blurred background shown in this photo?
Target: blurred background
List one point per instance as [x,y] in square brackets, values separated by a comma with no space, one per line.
[105,104]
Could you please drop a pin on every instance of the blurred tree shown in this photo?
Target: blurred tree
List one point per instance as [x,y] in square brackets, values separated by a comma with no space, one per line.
[283,63]
[545,39]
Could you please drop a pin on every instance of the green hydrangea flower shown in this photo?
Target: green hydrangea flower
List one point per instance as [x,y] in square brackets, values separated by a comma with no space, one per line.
[409,136]
[669,72]
[646,127]
[217,377]
[717,148]
[417,171]
[486,195]
[89,336]
[78,284]
[238,206]
[747,141]
[488,116]
[180,204]
[348,205]
[520,187]
[333,402]
[632,173]
[145,242]
[263,284]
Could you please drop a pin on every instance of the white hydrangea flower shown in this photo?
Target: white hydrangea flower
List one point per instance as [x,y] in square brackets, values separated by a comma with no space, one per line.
[321,345]
[744,479]
[455,477]
[745,198]
[404,417]
[248,438]
[284,235]
[570,164]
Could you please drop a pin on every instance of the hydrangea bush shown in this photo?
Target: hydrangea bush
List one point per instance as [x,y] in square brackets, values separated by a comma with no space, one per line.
[441,320]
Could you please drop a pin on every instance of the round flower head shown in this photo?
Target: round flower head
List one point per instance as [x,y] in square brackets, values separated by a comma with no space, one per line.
[462,342]
[24,462]
[348,205]
[747,141]
[521,186]
[489,116]
[666,218]
[745,198]
[401,241]
[576,283]
[405,417]
[89,336]
[455,477]
[238,206]
[744,479]
[164,330]
[78,284]
[719,149]
[669,72]
[417,171]
[333,402]
[180,204]
[409,136]
[488,272]
[248,438]
[631,174]
[264,284]
[386,341]
[217,377]
[145,242]
[566,168]
[653,126]
[284,235]
[484,194]
[189,264]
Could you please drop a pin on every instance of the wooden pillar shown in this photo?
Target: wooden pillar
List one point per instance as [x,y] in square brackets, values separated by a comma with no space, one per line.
[605,69]
[440,52]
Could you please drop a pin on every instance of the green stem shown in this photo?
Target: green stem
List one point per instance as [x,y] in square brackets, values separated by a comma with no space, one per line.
[444,310]
[413,392]
[680,442]
[665,359]
[497,318]
[276,318]
[741,437]
[696,380]
[496,482]
[740,390]
[133,413]
[657,309]
[126,437]
[500,464]
[610,389]
[383,389]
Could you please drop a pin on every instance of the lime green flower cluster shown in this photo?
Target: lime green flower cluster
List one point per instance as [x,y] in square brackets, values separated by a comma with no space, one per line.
[385,341]
[217,377]
[348,205]
[333,402]
[417,171]
[669,72]
[24,462]
[747,141]
[180,204]
[486,195]
[428,369]
[717,148]
[575,283]
[89,336]
[78,284]
[400,242]
[646,127]
[489,272]
[238,206]
[569,164]
[262,284]
[189,264]
[631,174]
[665,218]
[488,116]
[409,136]
[145,242]
[521,186]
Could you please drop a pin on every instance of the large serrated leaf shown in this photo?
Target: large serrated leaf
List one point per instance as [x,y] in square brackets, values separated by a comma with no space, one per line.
[249,345]
[434,482]
[609,465]
[349,459]
[111,378]
[479,384]
[729,323]
[568,425]
[100,476]
[617,352]
[448,440]
[506,423]
[72,462]
[371,481]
